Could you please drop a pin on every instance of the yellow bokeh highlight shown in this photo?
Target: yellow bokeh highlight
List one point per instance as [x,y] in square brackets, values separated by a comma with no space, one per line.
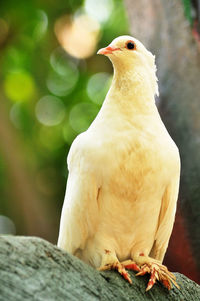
[78,35]
[19,86]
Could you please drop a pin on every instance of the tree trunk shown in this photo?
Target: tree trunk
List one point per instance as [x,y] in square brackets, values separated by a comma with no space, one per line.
[163,28]
[34,269]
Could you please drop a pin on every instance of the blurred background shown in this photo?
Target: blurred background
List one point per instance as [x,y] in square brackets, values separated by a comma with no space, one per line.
[52,85]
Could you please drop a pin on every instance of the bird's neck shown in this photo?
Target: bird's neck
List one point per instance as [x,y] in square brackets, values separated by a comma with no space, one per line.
[131,91]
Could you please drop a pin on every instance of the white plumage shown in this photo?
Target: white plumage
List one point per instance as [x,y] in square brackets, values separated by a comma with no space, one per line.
[124,174]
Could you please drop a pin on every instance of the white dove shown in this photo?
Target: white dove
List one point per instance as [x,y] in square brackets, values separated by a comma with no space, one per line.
[124,172]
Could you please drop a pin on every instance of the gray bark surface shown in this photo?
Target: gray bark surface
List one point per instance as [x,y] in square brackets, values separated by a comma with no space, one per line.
[163,28]
[34,269]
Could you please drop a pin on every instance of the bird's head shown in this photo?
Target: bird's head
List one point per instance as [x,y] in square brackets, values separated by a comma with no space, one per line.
[127,53]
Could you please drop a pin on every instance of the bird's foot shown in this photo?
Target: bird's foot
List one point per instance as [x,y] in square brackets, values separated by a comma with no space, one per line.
[131,265]
[121,268]
[158,272]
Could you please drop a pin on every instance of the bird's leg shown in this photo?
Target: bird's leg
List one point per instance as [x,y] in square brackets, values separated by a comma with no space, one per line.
[110,262]
[157,271]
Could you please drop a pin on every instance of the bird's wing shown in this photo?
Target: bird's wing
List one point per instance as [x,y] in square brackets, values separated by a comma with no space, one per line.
[167,216]
[80,209]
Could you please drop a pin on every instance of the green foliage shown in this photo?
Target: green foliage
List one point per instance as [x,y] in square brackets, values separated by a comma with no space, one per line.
[51,96]
[188,10]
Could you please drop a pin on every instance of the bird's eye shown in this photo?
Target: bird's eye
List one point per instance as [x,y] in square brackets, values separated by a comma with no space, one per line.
[130,45]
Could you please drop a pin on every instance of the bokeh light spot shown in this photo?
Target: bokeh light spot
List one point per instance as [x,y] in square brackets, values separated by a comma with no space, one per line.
[19,86]
[61,62]
[6,225]
[62,83]
[78,35]
[81,116]
[50,110]
[41,25]
[15,60]
[98,86]
[15,116]
[99,10]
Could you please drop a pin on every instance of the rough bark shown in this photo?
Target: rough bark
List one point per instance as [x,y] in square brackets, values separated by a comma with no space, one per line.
[163,28]
[34,269]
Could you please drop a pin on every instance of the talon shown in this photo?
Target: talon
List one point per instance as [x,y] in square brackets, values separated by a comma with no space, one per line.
[119,267]
[142,273]
[126,277]
[144,270]
[158,272]
[131,265]
[166,284]
[152,281]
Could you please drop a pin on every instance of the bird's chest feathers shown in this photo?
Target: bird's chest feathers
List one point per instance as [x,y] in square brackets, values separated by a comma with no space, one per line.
[134,160]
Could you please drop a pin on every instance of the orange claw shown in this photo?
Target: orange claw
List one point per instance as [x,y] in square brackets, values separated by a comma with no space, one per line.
[132,266]
[152,281]
[119,267]
[141,273]
[158,272]
[126,277]
[144,270]
[166,283]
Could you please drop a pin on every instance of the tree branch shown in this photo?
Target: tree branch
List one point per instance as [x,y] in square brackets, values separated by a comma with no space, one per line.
[33,269]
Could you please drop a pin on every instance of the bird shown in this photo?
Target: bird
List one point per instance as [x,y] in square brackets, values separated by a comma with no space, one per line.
[124,171]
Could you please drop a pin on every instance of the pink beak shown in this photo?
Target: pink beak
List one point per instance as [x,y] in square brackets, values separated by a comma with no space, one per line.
[107,50]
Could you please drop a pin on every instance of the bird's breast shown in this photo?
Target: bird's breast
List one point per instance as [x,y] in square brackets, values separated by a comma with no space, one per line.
[134,178]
